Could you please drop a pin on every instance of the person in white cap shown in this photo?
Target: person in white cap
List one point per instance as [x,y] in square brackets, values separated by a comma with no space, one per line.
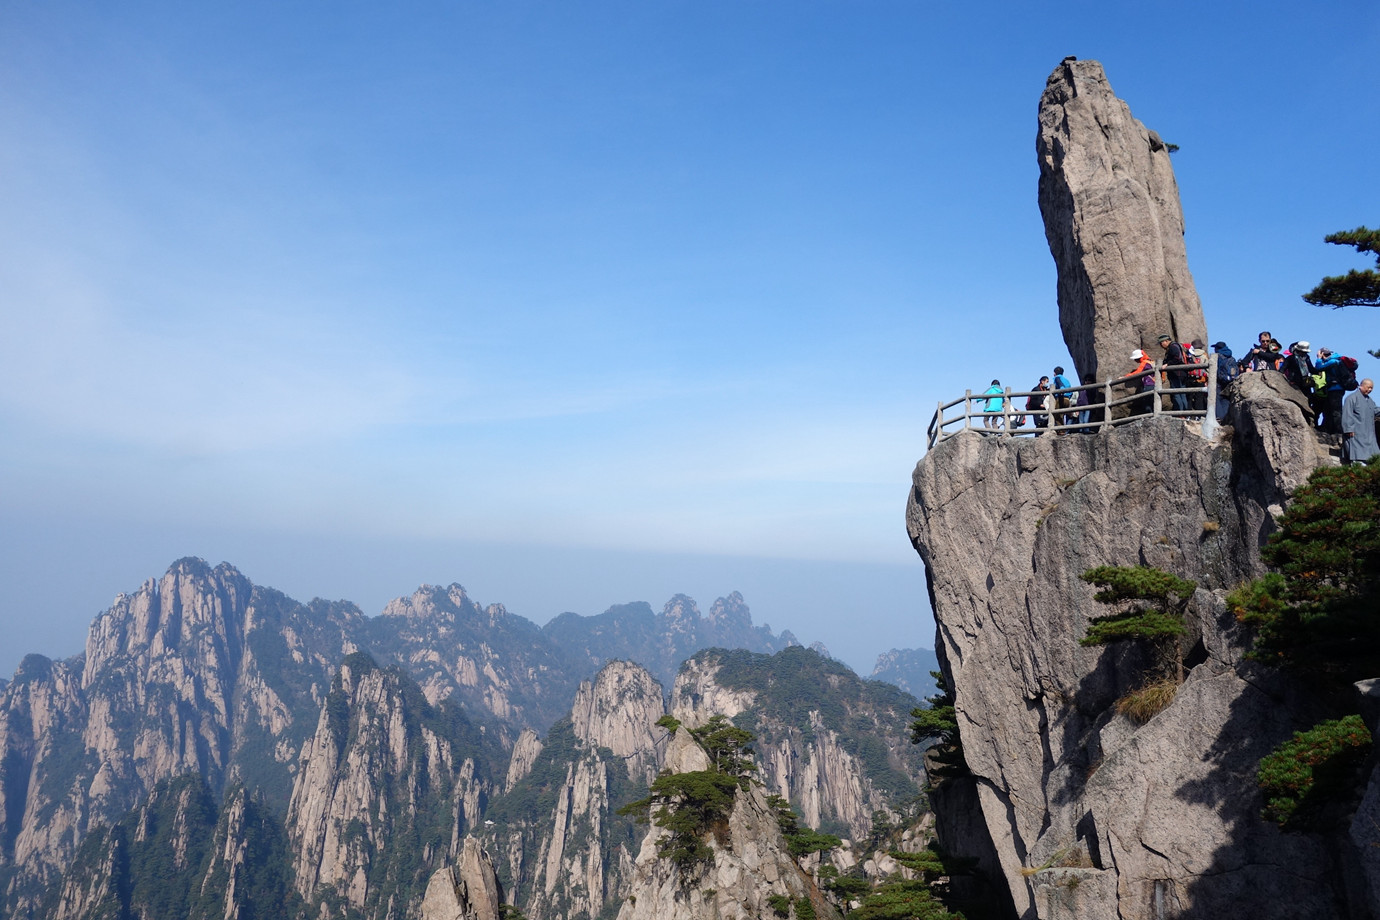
[1298,369]
[1144,379]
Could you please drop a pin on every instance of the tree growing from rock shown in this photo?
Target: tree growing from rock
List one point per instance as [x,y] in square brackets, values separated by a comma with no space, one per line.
[1151,605]
[1355,288]
[691,805]
[938,721]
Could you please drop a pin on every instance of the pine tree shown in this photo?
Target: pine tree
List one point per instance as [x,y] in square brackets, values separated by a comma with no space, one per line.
[1153,603]
[1318,613]
[1355,288]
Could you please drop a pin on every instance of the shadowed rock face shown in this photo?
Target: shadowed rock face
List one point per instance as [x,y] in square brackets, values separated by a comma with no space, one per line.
[1114,225]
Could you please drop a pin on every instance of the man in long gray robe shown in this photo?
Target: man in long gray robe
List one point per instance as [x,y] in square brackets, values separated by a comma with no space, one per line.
[1358,424]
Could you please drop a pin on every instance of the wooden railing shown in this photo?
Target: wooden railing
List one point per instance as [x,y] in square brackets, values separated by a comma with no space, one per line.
[1103,398]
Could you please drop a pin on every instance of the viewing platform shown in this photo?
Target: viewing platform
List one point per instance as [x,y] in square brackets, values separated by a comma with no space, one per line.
[1112,402]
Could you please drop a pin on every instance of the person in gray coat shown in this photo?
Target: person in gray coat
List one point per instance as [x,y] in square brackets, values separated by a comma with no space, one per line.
[1358,425]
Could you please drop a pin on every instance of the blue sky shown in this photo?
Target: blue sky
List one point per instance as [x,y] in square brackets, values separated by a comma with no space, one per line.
[578,304]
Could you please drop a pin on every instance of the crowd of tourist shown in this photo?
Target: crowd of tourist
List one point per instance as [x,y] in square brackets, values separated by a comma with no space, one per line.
[1341,404]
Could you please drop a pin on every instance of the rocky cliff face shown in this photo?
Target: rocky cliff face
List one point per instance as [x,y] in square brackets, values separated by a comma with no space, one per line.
[1091,814]
[185,675]
[384,786]
[834,746]
[565,851]
[486,657]
[1114,225]
[327,787]
[749,863]
[175,855]
[466,890]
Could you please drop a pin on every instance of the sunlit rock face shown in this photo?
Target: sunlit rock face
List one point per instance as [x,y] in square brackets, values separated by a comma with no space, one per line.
[1159,819]
[749,865]
[1114,225]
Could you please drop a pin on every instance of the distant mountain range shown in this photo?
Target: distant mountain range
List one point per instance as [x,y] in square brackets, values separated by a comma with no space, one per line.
[220,749]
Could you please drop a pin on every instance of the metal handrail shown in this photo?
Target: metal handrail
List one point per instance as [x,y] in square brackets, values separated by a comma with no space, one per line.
[1058,417]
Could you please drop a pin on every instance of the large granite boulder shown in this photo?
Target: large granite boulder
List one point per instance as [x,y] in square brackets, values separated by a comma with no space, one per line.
[1114,225]
[1090,813]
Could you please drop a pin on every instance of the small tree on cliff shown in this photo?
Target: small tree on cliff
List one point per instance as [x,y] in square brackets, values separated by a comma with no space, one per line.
[690,805]
[1355,288]
[938,721]
[1152,605]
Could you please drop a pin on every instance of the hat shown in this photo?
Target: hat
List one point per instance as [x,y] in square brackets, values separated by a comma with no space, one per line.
[1218,346]
[1164,338]
[1324,351]
[1137,355]
[1300,346]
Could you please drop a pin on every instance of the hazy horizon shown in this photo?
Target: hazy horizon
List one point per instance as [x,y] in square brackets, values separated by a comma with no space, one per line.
[583,304]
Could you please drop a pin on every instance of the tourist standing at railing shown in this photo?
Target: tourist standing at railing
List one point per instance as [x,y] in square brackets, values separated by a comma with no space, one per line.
[1144,374]
[993,408]
[1227,369]
[1197,354]
[1174,354]
[1358,425]
[1062,400]
[1085,402]
[1037,404]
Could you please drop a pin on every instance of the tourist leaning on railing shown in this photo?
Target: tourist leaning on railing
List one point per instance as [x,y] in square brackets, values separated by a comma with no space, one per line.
[994,406]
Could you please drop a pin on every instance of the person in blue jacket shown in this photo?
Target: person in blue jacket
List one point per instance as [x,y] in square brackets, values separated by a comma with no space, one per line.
[1330,399]
[994,406]
[1063,400]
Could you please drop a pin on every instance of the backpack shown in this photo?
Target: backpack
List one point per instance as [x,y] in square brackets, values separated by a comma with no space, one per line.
[1346,372]
[1197,375]
[1226,369]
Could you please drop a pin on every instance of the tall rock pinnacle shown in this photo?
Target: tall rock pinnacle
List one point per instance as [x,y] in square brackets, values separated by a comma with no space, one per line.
[1114,225]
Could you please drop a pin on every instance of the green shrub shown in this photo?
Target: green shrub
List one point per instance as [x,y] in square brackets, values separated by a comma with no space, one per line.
[1312,769]
[1316,613]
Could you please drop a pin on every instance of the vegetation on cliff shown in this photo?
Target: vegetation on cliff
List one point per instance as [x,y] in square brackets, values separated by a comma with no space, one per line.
[1316,613]
[1311,770]
[1150,605]
[690,805]
[798,688]
[1315,617]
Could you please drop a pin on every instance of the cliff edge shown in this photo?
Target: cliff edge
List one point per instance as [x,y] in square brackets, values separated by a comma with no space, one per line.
[1091,814]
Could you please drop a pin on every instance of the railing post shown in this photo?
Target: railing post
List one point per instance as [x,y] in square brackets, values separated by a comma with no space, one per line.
[1159,377]
[967,409]
[1006,411]
[1106,404]
[1210,417]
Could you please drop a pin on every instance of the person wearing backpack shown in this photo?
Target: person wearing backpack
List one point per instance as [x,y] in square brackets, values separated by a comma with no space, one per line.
[1037,404]
[1062,400]
[1142,377]
[1297,367]
[1227,371]
[1263,355]
[1175,354]
[1333,389]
